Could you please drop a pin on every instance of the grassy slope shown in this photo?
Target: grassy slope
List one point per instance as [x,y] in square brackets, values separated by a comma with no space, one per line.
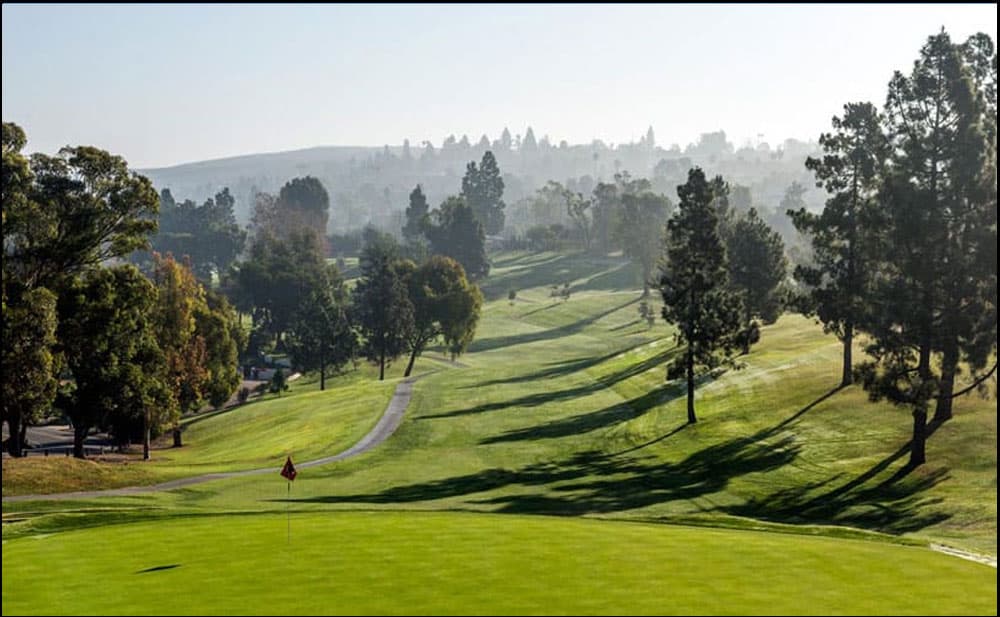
[562,410]
[447,563]
[303,422]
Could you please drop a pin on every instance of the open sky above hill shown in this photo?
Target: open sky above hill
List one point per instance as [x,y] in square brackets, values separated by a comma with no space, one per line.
[163,85]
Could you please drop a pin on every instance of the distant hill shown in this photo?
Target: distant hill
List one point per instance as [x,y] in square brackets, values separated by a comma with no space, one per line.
[370,185]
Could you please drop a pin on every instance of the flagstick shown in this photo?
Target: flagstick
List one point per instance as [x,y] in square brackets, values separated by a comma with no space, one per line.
[288,515]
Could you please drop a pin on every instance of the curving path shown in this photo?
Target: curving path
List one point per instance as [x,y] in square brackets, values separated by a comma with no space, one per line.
[382,430]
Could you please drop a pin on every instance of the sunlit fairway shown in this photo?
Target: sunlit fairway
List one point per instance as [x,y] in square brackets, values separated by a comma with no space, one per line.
[559,408]
[447,563]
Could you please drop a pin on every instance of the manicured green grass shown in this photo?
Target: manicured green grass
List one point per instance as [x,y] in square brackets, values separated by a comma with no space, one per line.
[305,423]
[445,563]
[562,408]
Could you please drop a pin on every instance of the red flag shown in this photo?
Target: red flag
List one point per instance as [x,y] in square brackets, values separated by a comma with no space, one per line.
[288,470]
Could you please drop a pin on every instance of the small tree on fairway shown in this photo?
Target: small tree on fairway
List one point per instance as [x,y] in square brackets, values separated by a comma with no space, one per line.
[381,306]
[322,337]
[757,266]
[647,313]
[279,383]
[512,296]
[444,304]
[694,282]
[641,230]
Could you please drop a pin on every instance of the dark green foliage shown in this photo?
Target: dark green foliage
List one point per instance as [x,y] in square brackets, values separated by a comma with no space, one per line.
[322,337]
[108,338]
[844,236]
[694,282]
[456,233]
[216,321]
[482,189]
[641,230]
[381,306]
[306,202]
[606,210]
[208,233]
[29,383]
[278,383]
[278,276]
[934,292]
[445,304]
[302,206]
[416,216]
[82,208]
[757,267]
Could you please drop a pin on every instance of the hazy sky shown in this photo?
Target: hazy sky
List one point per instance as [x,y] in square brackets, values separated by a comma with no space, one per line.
[162,85]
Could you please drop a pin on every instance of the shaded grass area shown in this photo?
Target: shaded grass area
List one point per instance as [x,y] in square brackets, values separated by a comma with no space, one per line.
[448,563]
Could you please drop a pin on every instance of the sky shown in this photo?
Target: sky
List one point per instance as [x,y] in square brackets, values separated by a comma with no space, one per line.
[167,84]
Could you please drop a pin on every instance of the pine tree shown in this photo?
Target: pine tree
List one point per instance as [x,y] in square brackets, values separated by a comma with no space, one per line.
[757,266]
[482,188]
[843,236]
[694,282]
[381,306]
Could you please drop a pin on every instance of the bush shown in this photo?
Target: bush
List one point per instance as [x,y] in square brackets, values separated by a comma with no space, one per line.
[278,382]
[243,395]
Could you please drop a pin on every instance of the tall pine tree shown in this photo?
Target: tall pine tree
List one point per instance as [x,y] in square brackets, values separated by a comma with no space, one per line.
[482,188]
[694,282]
[844,235]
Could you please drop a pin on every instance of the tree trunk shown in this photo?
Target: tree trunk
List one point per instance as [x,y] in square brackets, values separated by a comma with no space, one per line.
[24,435]
[847,377]
[178,442]
[409,366]
[748,319]
[145,436]
[949,364]
[381,366]
[14,441]
[79,436]
[645,287]
[322,374]
[690,379]
[924,365]
[918,454]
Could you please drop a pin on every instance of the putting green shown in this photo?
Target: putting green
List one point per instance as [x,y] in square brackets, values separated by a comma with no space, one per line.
[461,563]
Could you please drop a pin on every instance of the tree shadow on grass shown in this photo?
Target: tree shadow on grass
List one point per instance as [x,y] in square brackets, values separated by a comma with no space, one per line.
[594,482]
[499,342]
[892,505]
[561,368]
[549,396]
[601,418]
[597,482]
